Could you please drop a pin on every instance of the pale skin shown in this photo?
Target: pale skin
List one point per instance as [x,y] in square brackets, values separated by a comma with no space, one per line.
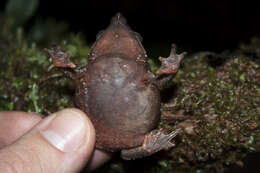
[23,149]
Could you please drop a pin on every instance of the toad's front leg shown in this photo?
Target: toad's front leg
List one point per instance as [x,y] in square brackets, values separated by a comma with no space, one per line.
[61,60]
[155,141]
[169,67]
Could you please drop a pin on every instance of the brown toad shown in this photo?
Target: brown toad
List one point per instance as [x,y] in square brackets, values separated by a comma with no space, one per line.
[119,93]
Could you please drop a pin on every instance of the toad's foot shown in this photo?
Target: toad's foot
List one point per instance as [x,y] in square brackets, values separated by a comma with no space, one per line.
[171,64]
[60,59]
[153,142]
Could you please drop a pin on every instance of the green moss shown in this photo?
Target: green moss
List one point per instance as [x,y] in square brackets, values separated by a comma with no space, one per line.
[24,65]
[230,92]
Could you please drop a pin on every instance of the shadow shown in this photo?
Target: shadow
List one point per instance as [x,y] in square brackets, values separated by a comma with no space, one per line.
[215,60]
[169,93]
[251,164]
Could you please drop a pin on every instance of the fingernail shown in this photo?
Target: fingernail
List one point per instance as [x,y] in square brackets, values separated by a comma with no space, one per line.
[65,131]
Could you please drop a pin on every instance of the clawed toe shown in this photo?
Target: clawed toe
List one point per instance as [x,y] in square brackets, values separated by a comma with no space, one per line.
[170,65]
[60,58]
[157,140]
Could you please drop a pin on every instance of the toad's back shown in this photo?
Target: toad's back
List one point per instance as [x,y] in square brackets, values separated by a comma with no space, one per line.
[121,103]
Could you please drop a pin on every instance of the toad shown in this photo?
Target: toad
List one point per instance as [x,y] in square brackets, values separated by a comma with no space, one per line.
[119,93]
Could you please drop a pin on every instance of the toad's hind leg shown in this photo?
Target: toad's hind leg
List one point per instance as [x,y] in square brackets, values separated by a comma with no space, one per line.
[153,142]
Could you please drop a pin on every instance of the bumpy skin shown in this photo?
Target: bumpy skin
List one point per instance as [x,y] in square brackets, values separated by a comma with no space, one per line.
[119,93]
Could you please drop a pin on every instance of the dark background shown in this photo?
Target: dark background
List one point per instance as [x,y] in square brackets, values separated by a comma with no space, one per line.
[192,24]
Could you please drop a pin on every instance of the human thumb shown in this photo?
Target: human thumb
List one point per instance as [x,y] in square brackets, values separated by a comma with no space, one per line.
[61,143]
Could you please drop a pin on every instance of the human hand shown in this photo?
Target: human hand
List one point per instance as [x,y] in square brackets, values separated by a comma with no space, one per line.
[62,142]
